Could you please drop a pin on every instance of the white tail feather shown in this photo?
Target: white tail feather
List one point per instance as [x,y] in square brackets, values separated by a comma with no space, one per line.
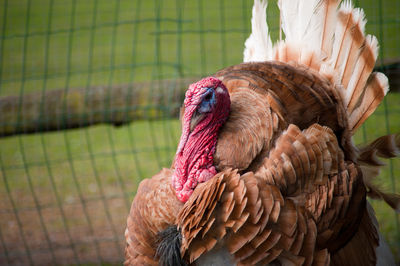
[330,40]
[314,23]
[258,47]
[364,64]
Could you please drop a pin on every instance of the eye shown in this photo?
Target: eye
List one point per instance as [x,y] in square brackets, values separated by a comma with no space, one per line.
[208,97]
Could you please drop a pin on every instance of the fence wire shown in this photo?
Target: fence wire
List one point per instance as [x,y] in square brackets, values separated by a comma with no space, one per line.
[65,195]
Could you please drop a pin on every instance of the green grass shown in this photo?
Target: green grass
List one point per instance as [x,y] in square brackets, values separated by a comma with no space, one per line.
[53,44]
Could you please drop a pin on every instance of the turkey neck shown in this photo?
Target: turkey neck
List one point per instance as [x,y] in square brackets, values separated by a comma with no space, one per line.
[194,162]
[198,151]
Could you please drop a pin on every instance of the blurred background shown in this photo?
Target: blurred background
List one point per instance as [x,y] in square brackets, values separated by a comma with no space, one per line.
[89,100]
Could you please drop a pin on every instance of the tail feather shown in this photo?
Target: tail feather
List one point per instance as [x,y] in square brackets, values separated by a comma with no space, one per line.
[352,60]
[331,40]
[385,147]
[321,26]
[393,200]
[329,26]
[308,27]
[258,47]
[348,35]
[288,52]
[364,64]
[348,47]
[376,88]
[308,21]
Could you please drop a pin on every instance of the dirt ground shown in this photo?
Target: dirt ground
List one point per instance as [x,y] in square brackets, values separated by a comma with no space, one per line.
[45,238]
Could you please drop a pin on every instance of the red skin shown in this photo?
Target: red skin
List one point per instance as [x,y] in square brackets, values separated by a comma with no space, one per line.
[194,157]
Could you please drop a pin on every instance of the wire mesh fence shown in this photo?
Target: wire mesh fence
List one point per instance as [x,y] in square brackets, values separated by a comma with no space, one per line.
[65,190]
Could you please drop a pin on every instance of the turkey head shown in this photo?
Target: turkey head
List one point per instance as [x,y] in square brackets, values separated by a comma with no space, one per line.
[206,108]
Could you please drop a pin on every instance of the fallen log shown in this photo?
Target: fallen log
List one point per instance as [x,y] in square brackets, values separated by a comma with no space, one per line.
[71,108]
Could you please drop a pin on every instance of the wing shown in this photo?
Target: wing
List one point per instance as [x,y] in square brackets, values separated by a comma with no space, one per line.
[154,208]
[332,188]
[265,98]
[302,206]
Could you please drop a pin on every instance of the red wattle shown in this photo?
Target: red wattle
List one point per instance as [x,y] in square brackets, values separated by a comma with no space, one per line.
[194,157]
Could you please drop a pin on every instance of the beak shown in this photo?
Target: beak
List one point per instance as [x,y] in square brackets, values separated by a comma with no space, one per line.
[196,118]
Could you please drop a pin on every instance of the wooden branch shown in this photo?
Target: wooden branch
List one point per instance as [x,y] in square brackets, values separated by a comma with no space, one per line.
[63,109]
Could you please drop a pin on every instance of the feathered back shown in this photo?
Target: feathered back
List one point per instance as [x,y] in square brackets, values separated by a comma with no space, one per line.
[329,39]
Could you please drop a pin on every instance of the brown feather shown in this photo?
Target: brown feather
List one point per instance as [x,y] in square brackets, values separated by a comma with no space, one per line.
[376,89]
[385,147]
[308,99]
[261,224]
[148,217]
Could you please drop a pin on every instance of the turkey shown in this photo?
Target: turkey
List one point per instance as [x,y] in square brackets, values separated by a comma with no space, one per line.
[265,170]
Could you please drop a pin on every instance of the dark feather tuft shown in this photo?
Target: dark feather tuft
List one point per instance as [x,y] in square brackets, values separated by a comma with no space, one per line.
[168,247]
